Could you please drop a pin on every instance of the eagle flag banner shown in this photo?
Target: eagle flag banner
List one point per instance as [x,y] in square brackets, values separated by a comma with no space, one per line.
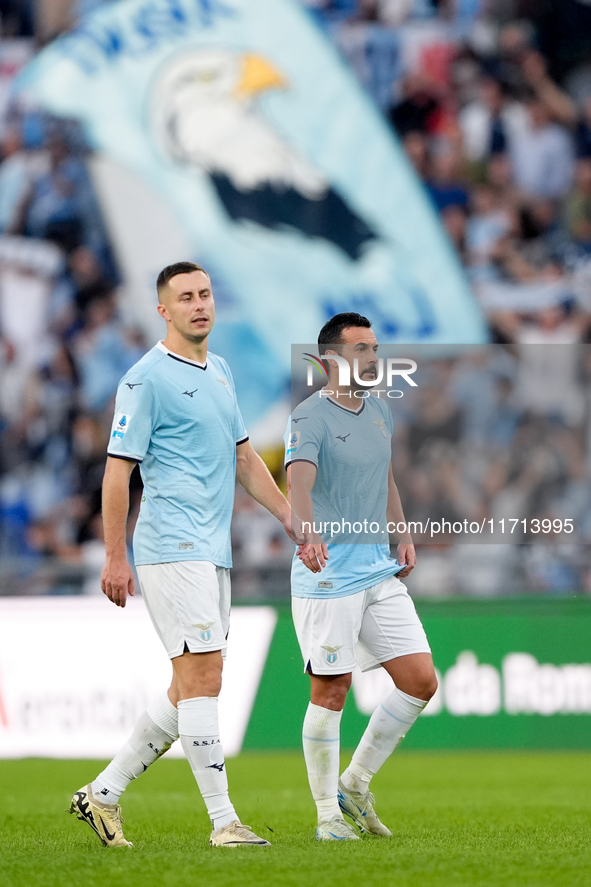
[286,181]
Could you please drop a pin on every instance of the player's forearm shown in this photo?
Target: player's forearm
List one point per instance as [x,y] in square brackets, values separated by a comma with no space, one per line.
[301,477]
[302,504]
[115,507]
[255,477]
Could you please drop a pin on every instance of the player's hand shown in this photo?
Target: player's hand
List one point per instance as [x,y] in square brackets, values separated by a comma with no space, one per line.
[407,559]
[293,527]
[313,555]
[117,581]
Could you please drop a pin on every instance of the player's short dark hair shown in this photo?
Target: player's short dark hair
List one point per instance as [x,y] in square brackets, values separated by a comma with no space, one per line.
[178,268]
[332,331]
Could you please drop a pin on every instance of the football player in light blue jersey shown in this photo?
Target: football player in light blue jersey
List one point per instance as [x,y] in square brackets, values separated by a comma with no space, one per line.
[176,416]
[349,605]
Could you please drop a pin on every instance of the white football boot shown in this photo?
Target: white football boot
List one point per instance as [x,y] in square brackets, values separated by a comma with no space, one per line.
[359,807]
[236,835]
[104,819]
[336,829]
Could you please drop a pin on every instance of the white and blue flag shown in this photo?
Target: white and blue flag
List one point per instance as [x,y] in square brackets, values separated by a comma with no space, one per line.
[284,177]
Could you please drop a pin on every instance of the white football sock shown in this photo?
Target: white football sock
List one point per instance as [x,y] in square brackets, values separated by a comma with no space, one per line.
[320,738]
[387,728]
[154,732]
[200,736]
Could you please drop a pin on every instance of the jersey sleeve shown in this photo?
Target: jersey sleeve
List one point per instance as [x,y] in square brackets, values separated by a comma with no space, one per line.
[136,411]
[241,434]
[303,437]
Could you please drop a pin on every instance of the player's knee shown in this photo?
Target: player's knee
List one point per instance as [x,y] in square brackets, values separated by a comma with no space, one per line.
[427,686]
[205,682]
[211,682]
[336,698]
[331,694]
[421,685]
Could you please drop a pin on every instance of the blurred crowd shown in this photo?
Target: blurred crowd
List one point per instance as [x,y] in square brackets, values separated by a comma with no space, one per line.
[499,436]
[491,101]
[492,104]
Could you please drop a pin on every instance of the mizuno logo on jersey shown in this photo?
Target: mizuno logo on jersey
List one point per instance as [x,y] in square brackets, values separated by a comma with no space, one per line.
[132,385]
[191,393]
[343,438]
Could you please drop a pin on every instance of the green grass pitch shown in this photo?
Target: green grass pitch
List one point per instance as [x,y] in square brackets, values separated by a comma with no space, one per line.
[459,820]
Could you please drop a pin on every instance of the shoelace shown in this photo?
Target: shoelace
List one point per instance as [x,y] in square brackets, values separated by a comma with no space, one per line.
[368,801]
[113,810]
[114,813]
[239,827]
[337,823]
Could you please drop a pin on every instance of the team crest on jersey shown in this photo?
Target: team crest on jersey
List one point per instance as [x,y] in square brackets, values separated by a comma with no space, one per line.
[121,425]
[332,653]
[205,630]
[382,426]
[223,381]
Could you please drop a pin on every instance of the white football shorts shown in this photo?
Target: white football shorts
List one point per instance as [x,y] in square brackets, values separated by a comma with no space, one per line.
[365,629]
[189,604]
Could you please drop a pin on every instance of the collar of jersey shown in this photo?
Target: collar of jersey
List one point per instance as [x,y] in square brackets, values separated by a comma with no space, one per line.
[351,412]
[193,363]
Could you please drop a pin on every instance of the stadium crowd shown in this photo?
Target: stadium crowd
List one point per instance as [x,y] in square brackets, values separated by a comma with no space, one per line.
[491,102]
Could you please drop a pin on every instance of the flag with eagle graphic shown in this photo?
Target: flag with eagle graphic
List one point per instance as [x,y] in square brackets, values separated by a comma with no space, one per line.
[286,181]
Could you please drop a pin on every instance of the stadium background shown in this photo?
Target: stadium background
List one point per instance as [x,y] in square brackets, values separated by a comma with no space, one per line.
[491,105]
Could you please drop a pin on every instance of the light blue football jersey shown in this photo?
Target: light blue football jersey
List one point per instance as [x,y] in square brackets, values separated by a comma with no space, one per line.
[180,420]
[352,454]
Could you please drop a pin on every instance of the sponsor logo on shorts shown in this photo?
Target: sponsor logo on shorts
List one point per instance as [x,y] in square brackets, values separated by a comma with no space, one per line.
[325,584]
[205,630]
[332,653]
[186,546]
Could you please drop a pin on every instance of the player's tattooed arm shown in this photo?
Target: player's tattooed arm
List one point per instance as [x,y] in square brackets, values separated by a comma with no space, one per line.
[407,557]
[117,577]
